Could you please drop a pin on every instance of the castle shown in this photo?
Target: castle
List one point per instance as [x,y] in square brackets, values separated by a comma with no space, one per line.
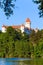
[23,27]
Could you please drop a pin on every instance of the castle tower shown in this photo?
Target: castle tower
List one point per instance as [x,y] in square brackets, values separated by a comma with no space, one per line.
[28,23]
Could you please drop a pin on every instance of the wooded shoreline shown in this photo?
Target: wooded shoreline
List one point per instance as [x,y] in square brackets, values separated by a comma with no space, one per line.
[13,43]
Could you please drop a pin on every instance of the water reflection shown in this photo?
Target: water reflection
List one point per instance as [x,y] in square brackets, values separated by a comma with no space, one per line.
[18,61]
[2,62]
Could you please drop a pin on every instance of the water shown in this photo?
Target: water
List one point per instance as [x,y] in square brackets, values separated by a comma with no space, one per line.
[20,61]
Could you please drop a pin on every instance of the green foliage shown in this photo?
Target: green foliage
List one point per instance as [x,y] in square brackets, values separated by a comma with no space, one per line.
[7,6]
[15,44]
[40,6]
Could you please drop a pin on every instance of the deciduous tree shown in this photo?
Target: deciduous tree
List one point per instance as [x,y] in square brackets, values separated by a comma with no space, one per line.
[7,6]
[40,6]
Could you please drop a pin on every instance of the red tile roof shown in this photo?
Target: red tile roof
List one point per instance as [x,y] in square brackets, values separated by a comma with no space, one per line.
[18,26]
[27,20]
[15,27]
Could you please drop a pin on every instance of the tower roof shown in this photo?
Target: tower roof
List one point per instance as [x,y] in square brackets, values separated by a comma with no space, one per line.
[27,20]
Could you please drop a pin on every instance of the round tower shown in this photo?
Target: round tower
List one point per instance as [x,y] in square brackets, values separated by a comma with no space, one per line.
[28,23]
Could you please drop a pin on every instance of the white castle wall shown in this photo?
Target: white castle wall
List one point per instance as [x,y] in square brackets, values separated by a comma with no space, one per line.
[3,29]
[22,29]
[28,25]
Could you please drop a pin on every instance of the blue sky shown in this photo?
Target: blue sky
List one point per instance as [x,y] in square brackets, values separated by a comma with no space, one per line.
[24,9]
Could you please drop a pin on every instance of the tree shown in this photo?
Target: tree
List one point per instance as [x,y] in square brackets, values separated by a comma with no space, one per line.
[32,37]
[40,6]
[7,6]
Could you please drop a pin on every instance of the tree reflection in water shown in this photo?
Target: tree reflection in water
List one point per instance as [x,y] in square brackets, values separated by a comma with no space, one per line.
[21,62]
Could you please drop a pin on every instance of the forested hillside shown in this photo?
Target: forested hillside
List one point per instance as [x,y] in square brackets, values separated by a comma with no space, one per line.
[13,43]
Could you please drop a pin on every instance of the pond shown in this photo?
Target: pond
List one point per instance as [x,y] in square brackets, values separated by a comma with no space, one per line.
[20,61]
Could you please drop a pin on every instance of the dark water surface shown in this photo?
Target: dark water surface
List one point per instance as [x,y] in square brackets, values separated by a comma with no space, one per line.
[20,61]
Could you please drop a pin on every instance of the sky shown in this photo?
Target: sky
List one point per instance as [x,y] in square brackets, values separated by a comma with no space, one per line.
[24,9]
